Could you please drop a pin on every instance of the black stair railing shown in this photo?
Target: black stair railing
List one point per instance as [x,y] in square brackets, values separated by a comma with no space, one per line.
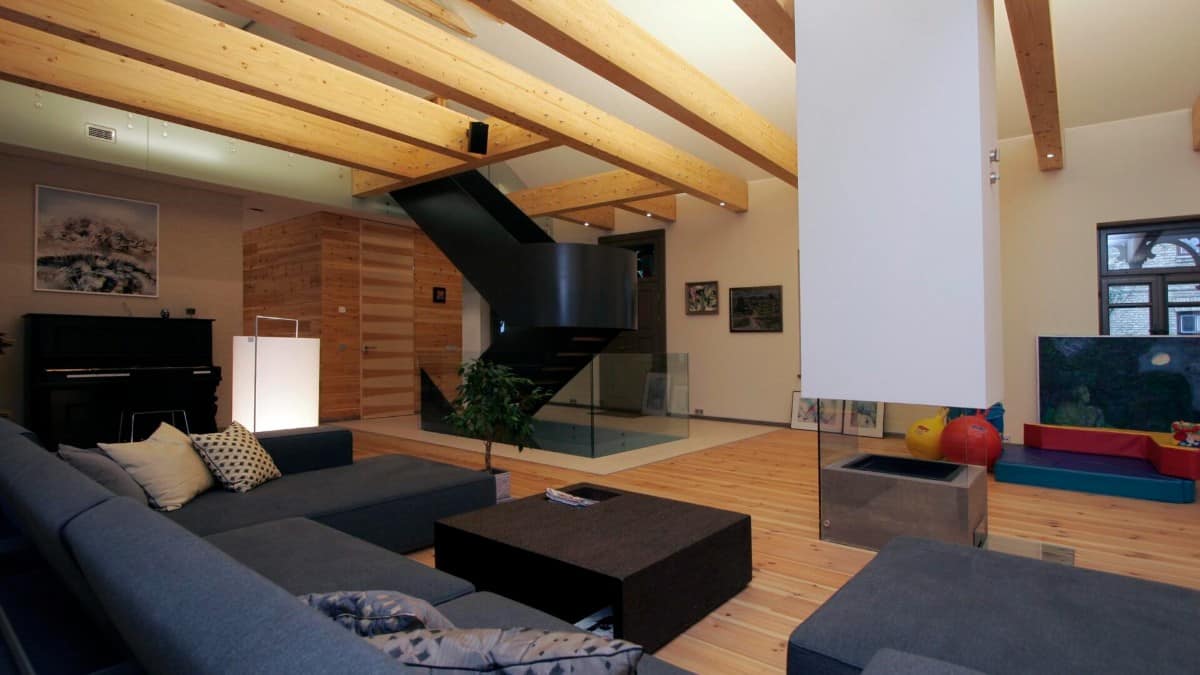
[562,303]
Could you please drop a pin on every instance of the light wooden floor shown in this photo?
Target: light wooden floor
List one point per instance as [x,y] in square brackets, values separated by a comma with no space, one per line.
[774,479]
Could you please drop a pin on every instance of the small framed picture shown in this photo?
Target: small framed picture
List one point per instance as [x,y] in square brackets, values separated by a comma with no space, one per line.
[439,295]
[756,309]
[864,418]
[812,414]
[701,297]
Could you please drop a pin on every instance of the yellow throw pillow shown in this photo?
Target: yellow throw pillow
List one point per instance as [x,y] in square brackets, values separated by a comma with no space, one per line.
[165,465]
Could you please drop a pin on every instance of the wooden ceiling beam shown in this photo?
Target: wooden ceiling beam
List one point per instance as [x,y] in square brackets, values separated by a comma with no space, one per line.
[441,14]
[603,189]
[383,37]
[776,18]
[1033,39]
[658,208]
[175,38]
[1196,125]
[603,217]
[605,41]
[57,64]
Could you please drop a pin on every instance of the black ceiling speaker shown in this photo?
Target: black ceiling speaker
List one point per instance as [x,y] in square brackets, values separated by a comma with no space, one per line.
[477,138]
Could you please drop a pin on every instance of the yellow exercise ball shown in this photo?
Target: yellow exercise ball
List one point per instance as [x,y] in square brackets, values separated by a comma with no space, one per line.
[924,435]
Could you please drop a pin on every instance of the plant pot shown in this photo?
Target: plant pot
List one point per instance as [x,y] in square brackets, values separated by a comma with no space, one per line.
[503,485]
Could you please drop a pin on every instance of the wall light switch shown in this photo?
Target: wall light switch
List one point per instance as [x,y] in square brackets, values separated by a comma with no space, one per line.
[341,309]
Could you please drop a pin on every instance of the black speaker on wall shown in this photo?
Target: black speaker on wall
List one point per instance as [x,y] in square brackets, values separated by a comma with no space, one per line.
[477,138]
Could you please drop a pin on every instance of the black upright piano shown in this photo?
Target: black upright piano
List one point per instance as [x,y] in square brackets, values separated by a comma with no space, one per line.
[92,379]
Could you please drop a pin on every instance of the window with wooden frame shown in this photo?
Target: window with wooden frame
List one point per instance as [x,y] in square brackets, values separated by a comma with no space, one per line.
[1150,277]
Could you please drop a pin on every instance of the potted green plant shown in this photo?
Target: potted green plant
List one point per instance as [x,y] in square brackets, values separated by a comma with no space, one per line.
[495,404]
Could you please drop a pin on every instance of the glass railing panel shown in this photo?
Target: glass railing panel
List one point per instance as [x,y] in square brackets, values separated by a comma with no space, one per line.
[610,404]
[641,400]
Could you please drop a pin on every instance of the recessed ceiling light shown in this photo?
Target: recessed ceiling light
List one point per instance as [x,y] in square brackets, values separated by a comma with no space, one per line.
[587,224]
[648,214]
[1049,155]
[722,203]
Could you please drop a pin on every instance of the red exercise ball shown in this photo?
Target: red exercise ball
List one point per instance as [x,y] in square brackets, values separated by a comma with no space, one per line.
[971,439]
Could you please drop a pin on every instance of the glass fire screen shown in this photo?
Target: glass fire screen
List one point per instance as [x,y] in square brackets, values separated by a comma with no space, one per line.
[875,485]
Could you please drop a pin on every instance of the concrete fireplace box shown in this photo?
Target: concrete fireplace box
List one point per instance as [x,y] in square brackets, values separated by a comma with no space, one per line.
[868,499]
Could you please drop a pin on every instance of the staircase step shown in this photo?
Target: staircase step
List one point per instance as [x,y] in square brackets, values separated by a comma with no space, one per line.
[1097,474]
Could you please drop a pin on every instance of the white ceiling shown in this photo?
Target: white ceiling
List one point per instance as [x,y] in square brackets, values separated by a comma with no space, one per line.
[1114,58]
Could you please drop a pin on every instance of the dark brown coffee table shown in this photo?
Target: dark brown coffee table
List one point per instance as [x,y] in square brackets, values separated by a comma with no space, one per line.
[662,565]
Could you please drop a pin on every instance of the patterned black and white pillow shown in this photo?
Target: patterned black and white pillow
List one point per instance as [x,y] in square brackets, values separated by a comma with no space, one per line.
[508,651]
[377,612]
[236,458]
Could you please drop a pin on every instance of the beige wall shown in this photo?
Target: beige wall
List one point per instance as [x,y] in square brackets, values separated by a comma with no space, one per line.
[200,258]
[747,376]
[1136,168]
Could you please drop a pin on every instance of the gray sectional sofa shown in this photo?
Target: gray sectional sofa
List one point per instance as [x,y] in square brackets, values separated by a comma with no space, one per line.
[113,587]
[929,607]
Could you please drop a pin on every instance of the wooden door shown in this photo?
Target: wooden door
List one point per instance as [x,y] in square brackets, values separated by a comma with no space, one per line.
[628,359]
[388,359]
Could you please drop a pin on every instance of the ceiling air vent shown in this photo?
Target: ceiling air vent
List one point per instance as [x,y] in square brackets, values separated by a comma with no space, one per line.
[101,133]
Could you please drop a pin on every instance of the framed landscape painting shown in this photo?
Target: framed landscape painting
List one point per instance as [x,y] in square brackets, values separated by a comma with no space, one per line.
[811,414]
[864,418]
[88,243]
[701,297]
[756,309]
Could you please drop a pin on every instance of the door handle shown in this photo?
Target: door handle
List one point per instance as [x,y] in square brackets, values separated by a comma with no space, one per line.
[367,348]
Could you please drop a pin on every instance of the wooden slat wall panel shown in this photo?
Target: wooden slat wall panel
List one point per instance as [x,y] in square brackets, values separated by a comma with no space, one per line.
[388,364]
[438,326]
[341,345]
[383,275]
[281,275]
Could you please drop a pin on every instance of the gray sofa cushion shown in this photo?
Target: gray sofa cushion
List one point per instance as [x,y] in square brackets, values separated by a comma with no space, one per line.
[11,428]
[368,499]
[892,662]
[303,556]
[42,494]
[999,614]
[104,470]
[297,450]
[488,610]
[183,606]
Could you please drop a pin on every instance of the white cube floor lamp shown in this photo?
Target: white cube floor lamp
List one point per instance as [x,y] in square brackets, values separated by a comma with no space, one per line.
[276,380]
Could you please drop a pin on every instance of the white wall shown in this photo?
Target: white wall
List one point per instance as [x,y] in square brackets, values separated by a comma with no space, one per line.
[897,220]
[200,260]
[1129,169]
[748,376]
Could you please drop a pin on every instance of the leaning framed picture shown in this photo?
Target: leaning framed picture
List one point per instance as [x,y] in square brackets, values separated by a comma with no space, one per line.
[756,309]
[864,418]
[701,297]
[89,243]
[811,414]
[654,394]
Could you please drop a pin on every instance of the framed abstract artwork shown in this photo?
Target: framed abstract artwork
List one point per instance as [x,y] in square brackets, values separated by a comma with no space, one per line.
[88,243]
[756,309]
[810,414]
[701,297]
[864,418]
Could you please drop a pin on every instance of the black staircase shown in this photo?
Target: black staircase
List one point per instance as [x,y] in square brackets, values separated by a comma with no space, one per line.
[561,303]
